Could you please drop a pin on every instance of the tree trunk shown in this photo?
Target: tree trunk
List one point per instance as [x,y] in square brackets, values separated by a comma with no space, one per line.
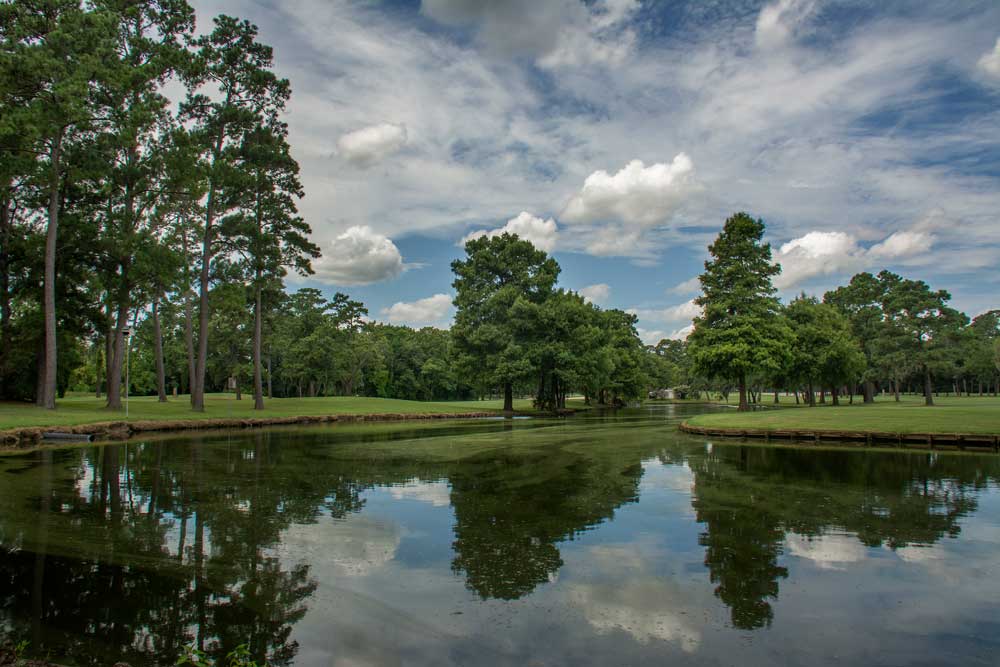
[40,374]
[98,366]
[270,393]
[118,353]
[258,380]
[161,380]
[198,393]
[5,299]
[895,389]
[744,405]
[834,395]
[776,399]
[508,399]
[869,392]
[51,235]
[928,387]
[811,401]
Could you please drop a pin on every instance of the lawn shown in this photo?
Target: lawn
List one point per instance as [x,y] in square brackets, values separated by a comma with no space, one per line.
[949,415]
[74,410]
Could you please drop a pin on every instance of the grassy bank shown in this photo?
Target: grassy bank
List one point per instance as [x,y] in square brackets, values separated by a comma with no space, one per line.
[78,410]
[950,415]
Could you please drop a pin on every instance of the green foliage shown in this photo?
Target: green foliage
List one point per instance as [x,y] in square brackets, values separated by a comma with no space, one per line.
[824,352]
[740,332]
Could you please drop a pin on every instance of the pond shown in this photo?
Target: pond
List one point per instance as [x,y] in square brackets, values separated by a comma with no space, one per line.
[595,540]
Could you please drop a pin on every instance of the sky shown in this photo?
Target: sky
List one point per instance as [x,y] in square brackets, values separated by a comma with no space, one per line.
[619,135]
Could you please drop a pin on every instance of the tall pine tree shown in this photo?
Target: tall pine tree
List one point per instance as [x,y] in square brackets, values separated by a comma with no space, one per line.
[740,332]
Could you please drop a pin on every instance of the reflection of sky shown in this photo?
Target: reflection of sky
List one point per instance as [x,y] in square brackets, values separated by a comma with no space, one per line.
[635,590]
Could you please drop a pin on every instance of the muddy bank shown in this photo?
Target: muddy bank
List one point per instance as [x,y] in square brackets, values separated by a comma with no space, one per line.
[28,437]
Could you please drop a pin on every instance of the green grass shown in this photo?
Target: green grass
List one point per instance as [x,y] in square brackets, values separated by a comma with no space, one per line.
[950,415]
[74,410]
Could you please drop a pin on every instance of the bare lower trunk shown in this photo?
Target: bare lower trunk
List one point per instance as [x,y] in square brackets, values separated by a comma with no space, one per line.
[118,354]
[508,399]
[834,395]
[869,392]
[49,299]
[258,383]
[744,405]
[5,299]
[270,393]
[928,387]
[161,380]
[98,367]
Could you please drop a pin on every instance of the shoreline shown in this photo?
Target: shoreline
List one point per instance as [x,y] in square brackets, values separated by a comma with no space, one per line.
[960,441]
[30,437]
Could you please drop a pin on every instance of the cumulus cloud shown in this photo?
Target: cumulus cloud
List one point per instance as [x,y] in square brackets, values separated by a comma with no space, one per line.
[636,194]
[371,144]
[990,61]
[778,22]
[359,256]
[431,311]
[678,318]
[816,253]
[598,293]
[832,253]
[902,244]
[543,234]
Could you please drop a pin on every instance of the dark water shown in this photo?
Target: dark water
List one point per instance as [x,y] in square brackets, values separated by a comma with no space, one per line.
[588,541]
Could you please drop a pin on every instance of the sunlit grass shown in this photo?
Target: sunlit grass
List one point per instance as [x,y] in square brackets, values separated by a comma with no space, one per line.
[951,414]
[79,409]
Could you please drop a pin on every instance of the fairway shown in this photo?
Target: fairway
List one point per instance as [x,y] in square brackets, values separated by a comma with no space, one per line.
[76,410]
[949,415]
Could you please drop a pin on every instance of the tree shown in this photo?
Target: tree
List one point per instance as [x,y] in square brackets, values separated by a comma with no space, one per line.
[148,47]
[237,67]
[740,331]
[823,352]
[861,301]
[924,326]
[54,52]
[267,230]
[496,272]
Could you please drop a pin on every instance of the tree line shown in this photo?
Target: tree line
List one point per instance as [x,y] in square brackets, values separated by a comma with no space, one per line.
[879,331]
[117,203]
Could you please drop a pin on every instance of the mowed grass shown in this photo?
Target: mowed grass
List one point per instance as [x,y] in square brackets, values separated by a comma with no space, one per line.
[951,414]
[74,410]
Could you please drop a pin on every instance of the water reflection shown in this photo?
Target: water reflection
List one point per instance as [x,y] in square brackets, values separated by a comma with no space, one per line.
[133,551]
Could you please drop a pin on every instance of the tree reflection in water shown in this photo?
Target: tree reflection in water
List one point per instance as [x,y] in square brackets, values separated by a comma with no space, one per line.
[132,552]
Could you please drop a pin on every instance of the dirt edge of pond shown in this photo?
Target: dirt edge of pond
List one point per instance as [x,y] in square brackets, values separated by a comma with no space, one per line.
[29,437]
[963,441]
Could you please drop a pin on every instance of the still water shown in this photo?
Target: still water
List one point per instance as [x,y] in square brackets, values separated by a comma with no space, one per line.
[593,540]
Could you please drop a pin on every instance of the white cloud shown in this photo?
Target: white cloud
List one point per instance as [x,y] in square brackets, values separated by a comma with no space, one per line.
[371,144]
[990,61]
[359,256]
[816,253]
[833,253]
[650,336]
[637,194]
[431,311]
[829,552]
[598,293]
[902,244]
[543,234]
[778,22]
[682,312]
[689,286]
[437,494]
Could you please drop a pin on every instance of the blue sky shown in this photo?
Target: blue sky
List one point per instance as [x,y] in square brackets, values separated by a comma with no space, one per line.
[619,135]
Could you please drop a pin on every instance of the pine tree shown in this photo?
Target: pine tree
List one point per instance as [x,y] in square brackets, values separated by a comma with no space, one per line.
[740,332]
